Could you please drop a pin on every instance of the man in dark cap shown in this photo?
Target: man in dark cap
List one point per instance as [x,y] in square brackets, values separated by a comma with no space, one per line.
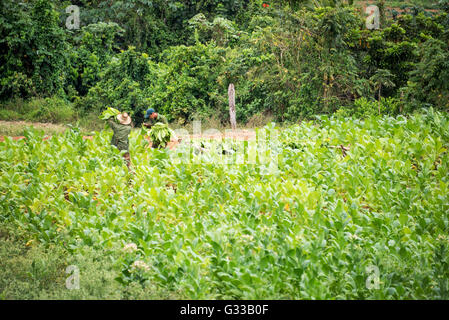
[151,117]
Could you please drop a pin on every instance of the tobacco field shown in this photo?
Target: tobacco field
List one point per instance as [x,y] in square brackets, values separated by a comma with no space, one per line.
[314,221]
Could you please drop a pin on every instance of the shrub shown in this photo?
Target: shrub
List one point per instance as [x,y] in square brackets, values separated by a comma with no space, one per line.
[33,58]
[31,270]
[54,110]
[94,48]
[363,107]
[188,84]
[9,115]
[27,268]
[429,81]
[259,120]
[125,85]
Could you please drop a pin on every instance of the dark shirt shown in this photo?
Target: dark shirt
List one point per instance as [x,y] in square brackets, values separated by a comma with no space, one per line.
[120,137]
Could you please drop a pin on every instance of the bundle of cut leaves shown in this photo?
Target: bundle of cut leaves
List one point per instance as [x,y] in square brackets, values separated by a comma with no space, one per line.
[109,113]
[160,134]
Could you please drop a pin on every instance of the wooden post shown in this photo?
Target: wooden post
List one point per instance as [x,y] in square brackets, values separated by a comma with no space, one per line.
[231,94]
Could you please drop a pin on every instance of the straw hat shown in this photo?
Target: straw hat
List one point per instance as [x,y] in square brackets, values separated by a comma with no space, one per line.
[124,118]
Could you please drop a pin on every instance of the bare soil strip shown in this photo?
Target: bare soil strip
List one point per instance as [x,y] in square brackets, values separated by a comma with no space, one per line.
[238,134]
[38,125]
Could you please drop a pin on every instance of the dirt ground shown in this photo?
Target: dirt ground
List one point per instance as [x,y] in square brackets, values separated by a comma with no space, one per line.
[238,134]
[18,126]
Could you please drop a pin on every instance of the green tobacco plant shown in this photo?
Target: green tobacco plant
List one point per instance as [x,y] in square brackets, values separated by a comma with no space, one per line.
[160,134]
[109,113]
[347,196]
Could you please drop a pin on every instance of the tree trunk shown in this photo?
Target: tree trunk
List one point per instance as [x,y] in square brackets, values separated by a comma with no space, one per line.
[231,94]
[402,100]
[380,88]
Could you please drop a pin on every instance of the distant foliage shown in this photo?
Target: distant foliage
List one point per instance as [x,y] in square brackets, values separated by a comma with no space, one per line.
[287,59]
[94,47]
[429,81]
[33,51]
[188,83]
[124,84]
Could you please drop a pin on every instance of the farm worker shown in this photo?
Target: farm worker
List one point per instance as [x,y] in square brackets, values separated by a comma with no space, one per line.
[121,132]
[151,117]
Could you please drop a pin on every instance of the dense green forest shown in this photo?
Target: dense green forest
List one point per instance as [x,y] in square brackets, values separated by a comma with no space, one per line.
[288,59]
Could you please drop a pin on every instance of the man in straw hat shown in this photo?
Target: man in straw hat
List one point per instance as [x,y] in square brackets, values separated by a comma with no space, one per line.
[121,132]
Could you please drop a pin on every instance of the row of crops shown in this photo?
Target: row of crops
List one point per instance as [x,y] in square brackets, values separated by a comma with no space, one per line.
[302,219]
